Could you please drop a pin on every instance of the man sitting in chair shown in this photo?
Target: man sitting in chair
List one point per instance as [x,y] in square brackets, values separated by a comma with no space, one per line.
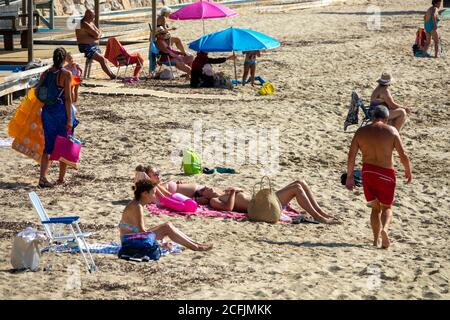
[172,57]
[87,37]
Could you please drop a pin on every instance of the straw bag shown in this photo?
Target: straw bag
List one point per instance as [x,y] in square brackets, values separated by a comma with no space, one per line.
[264,206]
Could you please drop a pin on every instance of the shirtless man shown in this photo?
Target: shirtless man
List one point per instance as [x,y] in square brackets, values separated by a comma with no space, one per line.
[88,36]
[377,142]
[236,199]
[382,96]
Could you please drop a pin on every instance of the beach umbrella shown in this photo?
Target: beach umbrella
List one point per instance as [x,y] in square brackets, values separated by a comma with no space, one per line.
[234,39]
[202,10]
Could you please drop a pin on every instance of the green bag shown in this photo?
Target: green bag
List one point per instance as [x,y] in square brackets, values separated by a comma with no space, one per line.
[191,163]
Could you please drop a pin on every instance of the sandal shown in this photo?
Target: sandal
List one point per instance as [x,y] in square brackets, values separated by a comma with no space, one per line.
[45,184]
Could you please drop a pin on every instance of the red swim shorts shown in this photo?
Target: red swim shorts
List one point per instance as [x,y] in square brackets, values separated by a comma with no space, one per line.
[378,183]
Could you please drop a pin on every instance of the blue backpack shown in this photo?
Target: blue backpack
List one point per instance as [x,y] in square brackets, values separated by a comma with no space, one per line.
[47,91]
[140,246]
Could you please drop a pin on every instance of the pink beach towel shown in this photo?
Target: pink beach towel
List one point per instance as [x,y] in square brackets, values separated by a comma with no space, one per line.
[208,212]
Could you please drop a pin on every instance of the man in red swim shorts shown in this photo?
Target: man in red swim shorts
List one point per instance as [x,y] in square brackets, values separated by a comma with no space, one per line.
[377,142]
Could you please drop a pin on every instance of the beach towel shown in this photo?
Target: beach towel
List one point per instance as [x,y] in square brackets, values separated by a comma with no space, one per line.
[207,212]
[102,248]
[118,56]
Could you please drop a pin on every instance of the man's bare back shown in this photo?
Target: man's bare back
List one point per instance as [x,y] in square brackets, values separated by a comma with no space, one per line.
[377,142]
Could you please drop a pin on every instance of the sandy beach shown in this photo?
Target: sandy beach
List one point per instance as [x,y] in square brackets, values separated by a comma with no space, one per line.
[325,53]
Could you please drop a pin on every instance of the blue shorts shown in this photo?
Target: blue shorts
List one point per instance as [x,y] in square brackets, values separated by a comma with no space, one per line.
[89,50]
[250,62]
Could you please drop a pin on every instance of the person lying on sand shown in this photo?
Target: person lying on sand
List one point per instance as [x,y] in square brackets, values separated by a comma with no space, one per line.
[382,96]
[377,141]
[133,219]
[236,199]
[151,173]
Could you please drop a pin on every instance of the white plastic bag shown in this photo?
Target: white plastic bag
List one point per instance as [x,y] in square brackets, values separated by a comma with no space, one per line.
[25,253]
[208,70]
[166,74]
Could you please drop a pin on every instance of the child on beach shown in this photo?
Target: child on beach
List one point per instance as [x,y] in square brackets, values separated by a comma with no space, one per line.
[250,65]
[76,71]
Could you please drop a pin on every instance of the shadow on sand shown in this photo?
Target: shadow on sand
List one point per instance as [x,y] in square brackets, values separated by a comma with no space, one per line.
[308,244]
[16,186]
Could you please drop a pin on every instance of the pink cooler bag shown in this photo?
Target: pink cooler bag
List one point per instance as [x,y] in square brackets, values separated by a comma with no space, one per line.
[67,150]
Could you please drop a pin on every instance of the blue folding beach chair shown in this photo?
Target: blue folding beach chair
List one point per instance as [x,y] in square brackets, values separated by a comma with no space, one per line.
[56,235]
[352,116]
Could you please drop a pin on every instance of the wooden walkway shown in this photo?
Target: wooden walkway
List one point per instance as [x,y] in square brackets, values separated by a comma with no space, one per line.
[111,88]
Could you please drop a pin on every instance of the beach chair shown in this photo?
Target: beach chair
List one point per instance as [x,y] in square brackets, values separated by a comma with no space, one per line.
[54,228]
[352,116]
[117,54]
[155,59]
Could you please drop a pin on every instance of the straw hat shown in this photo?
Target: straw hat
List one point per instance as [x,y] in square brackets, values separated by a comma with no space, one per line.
[165,10]
[385,79]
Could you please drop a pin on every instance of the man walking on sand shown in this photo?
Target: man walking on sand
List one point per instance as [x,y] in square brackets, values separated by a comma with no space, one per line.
[377,141]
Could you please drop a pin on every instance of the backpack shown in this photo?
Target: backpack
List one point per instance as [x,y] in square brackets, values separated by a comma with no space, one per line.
[265,205]
[191,163]
[420,43]
[47,90]
[421,38]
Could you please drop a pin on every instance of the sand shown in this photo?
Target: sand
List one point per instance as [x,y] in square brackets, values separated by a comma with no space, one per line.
[325,54]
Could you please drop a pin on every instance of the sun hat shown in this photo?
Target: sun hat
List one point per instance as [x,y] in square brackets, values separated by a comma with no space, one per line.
[385,79]
[165,10]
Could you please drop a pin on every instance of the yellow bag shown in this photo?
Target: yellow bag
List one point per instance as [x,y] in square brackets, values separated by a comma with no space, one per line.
[266,89]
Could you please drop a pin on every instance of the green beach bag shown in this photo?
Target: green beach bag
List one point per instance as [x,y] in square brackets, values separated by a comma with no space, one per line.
[191,163]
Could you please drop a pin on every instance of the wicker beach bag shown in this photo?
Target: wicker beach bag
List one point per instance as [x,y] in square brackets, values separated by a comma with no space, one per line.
[264,206]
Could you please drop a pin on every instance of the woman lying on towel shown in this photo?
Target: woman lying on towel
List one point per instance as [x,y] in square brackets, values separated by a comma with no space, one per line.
[165,188]
[236,199]
[133,219]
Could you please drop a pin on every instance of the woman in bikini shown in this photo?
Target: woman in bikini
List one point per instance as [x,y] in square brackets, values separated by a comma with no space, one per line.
[161,21]
[382,96]
[165,188]
[431,22]
[236,199]
[133,220]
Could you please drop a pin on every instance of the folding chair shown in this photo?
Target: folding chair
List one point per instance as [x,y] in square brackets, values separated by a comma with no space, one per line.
[119,57]
[155,56]
[55,236]
[352,116]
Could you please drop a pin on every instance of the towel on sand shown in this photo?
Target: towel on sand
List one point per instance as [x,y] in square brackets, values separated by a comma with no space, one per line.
[110,248]
[205,211]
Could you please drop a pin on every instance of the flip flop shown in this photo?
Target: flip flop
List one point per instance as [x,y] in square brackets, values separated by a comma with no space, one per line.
[225,170]
[303,219]
[208,171]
